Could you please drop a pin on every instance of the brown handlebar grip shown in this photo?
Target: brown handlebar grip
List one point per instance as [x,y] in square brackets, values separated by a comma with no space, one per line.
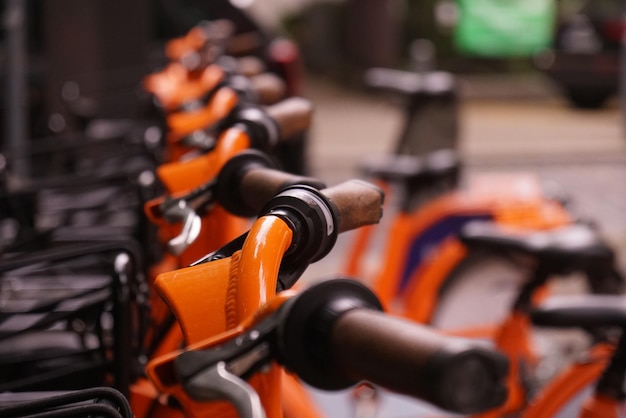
[358,203]
[243,44]
[292,116]
[250,179]
[250,66]
[412,359]
[260,185]
[219,30]
[269,88]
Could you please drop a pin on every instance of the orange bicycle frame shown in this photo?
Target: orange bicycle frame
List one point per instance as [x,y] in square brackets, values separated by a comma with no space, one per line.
[175,85]
[518,203]
[218,226]
[217,301]
[412,287]
[570,383]
[182,124]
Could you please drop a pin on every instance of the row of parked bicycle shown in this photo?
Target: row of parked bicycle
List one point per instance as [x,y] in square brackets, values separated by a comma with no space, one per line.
[162,257]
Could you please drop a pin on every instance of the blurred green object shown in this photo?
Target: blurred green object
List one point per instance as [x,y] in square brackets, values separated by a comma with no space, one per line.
[504,28]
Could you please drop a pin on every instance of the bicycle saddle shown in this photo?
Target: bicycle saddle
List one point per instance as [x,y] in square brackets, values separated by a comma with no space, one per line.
[565,249]
[583,311]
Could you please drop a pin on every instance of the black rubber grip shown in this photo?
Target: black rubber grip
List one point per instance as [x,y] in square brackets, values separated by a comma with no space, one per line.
[249,66]
[250,179]
[268,88]
[412,359]
[259,185]
[334,334]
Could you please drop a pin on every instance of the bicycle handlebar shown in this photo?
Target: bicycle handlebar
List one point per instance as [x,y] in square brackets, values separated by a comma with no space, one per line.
[259,185]
[268,88]
[417,361]
[250,179]
[269,125]
[358,203]
[292,116]
[263,88]
[335,335]
[318,216]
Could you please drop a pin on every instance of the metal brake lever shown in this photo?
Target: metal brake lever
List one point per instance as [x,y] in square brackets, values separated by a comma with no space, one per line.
[181,212]
[217,382]
[219,373]
[201,139]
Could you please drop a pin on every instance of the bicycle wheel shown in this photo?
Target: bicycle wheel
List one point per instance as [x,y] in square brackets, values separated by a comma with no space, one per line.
[479,291]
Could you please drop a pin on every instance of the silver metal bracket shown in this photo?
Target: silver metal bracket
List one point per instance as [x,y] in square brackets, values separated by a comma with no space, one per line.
[216,383]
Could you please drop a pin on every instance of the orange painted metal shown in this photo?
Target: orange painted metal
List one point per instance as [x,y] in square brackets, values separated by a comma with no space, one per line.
[515,201]
[513,339]
[175,85]
[216,301]
[258,268]
[182,176]
[218,226]
[569,384]
[163,84]
[419,301]
[194,40]
[601,407]
[182,124]
[227,291]
[197,296]
[218,107]
[161,372]
[297,402]
[147,402]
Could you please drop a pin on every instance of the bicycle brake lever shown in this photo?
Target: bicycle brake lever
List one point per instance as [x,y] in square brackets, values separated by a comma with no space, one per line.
[217,383]
[181,212]
[202,139]
[219,372]
[243,355]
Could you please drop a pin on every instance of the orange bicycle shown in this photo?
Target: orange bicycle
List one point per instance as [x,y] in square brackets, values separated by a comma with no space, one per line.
[223,214]
[195,111]
[328,334]
[592,387]
[202,221]
[421,248]
[543,255]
